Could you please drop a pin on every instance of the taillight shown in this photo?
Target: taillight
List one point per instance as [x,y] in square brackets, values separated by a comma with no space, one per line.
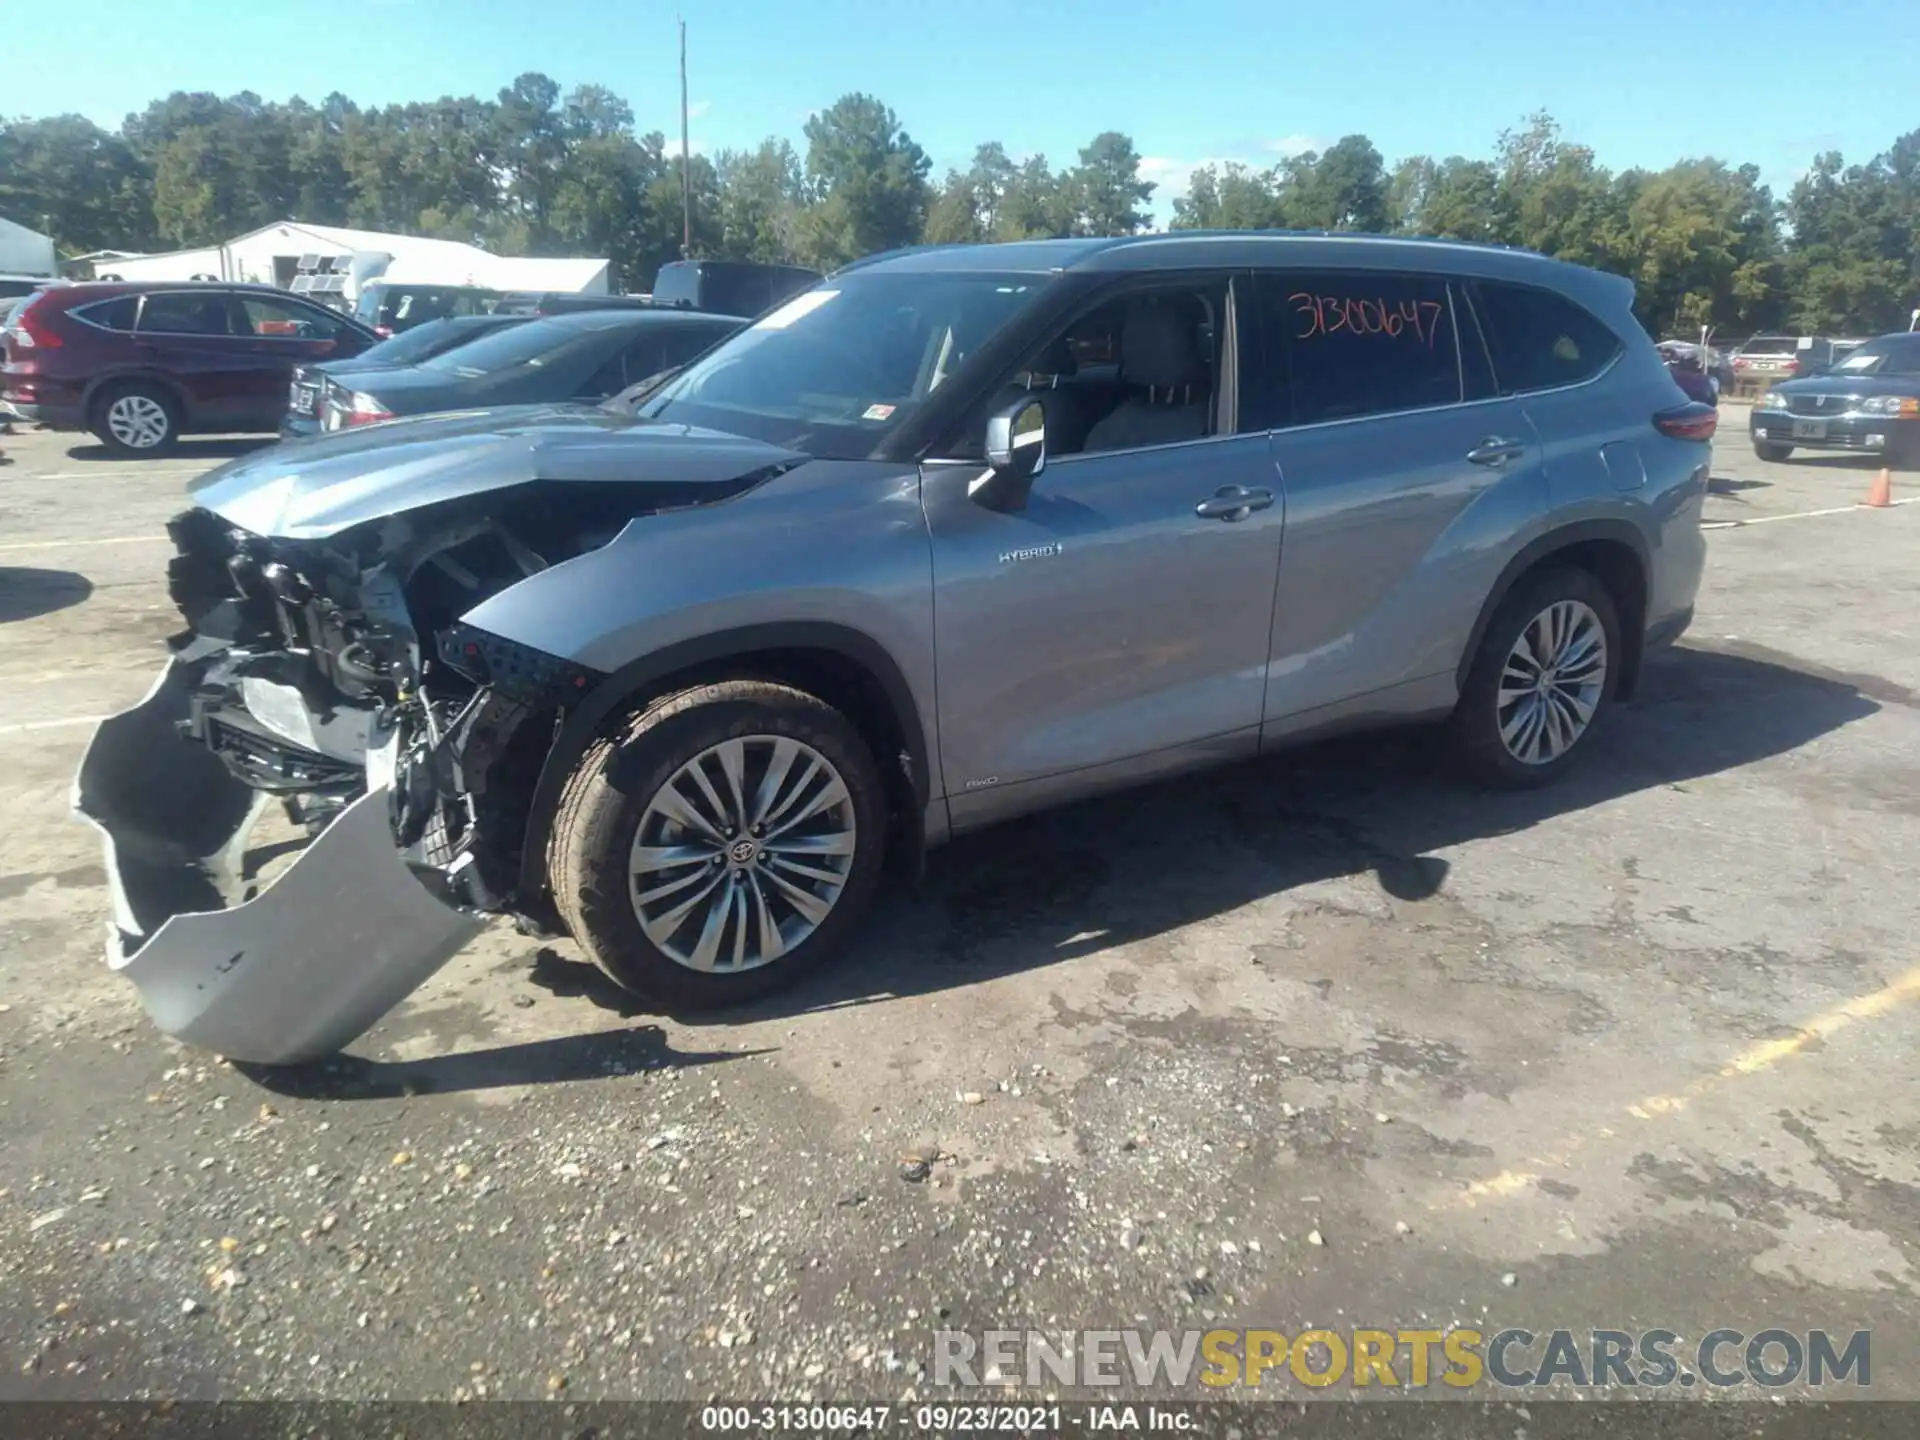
[1692,421]
[30,332]
[363,409]
[1791,365]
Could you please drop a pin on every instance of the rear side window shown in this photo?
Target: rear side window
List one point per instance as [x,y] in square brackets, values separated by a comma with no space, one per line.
[636,361]
[1539,340]
[1343,344]
[185,313]
[679,345]
[111,314]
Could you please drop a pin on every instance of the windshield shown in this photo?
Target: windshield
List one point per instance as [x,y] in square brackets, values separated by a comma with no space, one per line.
[527,344]
[835,369]
[1771,345]
[1884,357]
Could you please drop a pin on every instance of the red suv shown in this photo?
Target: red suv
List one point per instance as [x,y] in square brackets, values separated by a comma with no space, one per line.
[142,364]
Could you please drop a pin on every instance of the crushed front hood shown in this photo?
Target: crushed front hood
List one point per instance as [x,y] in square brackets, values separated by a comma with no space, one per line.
[314,488]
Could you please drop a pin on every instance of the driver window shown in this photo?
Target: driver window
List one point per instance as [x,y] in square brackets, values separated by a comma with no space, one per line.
[1138,370]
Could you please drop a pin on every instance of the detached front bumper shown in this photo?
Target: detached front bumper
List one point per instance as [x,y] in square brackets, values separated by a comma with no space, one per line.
[290,972]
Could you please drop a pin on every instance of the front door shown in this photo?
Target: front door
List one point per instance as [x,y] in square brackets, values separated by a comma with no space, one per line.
[1118,626]
[277,335]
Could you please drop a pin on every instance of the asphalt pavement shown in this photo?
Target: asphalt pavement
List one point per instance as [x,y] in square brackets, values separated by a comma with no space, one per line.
[1331,1041]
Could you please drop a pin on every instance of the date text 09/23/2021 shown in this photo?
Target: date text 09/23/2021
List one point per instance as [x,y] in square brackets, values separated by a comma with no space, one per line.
[944,1419]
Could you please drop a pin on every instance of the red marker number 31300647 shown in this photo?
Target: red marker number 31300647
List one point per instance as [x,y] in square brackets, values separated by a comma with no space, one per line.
[1333,314]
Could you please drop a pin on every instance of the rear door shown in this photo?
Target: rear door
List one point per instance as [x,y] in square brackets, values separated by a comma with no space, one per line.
[1399,463]
[188,336]
[277,335]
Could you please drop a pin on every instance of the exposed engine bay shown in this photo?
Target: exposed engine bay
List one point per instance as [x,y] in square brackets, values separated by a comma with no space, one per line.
[313,657]
[326,665]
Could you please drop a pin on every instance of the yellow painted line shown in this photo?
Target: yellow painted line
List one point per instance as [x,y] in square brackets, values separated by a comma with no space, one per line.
[160,538]
[1867,1007]
[1654,1107]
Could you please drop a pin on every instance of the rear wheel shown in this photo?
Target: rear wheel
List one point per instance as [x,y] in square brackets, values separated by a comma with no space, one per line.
[1544,676]
[1766,450]
[728,841]
[136,419]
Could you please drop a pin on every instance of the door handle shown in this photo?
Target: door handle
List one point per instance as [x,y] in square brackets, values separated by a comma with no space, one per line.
[1496,450]
[1233,502]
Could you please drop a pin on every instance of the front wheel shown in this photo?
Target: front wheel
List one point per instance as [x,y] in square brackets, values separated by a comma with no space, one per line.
[1544,676]
[1766,450]
[136,420]
[728,841]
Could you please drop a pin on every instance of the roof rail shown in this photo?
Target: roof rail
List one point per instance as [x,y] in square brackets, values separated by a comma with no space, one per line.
[893,254]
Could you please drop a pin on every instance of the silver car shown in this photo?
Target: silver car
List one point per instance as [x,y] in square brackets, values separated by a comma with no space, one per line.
[958,534]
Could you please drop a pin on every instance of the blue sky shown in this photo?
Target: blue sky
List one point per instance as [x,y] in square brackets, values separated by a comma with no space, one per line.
[1642,82]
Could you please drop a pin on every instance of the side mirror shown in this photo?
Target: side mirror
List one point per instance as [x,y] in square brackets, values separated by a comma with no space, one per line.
[1016,454]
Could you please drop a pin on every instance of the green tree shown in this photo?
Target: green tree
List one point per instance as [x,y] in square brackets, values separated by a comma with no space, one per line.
[1698,244]
[1854,264]
[662,221]
[761,195]
[527,135]
[1344,188]
[1553,197]
[954,216]
[1109,197]
[83,185]
[1451,199]
[869,179]
[1036,204]
[1228,197]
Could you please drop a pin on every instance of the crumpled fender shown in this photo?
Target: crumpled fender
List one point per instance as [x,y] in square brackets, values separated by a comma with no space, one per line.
[290,974]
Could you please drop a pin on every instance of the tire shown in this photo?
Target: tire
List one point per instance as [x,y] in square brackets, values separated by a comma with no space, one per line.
[1766,450]
[1479,718]
[136,420]
[616,795]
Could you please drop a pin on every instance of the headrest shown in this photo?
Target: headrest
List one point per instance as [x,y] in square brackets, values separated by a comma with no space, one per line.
[1158,344]
[1056,360]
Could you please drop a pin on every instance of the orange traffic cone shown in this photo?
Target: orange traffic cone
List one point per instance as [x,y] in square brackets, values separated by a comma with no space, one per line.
[1880,493]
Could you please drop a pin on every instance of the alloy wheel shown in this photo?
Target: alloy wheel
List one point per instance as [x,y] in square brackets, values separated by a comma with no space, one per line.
[1552,682]
[138,422]
[742,853]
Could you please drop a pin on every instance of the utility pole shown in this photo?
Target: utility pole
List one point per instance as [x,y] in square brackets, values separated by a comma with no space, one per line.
[686,162]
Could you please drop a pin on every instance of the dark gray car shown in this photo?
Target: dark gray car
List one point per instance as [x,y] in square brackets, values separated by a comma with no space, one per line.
[587,357]
[1869,402]
[410,347]
[958,534]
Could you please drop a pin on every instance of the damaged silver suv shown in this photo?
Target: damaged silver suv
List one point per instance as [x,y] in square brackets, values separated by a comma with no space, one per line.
[957,534]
